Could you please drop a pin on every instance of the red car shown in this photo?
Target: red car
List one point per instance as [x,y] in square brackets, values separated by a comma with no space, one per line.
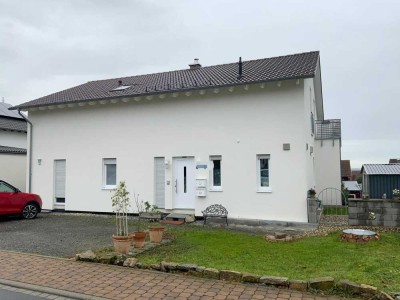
[15,202]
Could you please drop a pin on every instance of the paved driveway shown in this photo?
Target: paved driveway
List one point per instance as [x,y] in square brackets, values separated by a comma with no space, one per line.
[56,234]
[113,282]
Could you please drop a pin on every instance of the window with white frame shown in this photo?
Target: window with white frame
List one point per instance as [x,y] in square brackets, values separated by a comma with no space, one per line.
[215,176]
[263,173]
[109,173]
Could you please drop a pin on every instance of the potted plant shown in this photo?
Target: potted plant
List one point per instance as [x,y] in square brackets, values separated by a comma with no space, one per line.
[139,235]
[120,204]
[150,212]
[156,231]
[311,193]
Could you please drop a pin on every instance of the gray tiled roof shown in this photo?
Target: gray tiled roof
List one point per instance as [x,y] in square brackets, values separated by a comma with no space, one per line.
[12,150]
[382,169]
[294,66]
[11,124]
[8,113]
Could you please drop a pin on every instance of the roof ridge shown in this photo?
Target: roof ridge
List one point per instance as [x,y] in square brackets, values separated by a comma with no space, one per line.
[218,65]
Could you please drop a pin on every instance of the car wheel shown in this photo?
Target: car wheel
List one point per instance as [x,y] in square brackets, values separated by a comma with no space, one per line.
[30,211]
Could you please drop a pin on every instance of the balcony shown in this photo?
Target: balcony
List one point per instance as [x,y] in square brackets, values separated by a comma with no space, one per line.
[328,129]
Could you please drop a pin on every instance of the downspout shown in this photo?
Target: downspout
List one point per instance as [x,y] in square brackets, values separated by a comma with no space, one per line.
[30,150]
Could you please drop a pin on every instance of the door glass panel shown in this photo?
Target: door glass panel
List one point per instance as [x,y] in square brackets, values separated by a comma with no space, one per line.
[184,180]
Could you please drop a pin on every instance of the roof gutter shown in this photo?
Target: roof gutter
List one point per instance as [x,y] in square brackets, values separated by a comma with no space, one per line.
[29,151]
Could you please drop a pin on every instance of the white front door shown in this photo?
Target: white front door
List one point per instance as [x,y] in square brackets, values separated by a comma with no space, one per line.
[184,183]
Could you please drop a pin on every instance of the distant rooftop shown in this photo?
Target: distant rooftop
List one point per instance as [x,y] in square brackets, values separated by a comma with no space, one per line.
[345,169]
[4,112]
[381,169]
[12,150]
[352,185]
[10,120]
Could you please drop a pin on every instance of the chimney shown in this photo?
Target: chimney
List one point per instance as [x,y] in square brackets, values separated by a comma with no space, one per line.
[240,76]
[195,64]
[119,82]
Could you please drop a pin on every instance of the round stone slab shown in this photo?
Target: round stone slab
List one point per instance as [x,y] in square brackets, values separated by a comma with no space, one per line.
[359,232]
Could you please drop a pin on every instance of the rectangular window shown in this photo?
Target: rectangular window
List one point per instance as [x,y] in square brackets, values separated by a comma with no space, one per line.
[159,181]
[263,171]
[312,124]
[215,176]
[109,173]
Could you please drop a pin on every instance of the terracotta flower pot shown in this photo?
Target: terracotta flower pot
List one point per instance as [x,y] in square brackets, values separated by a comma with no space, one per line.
[139,237]
[122,244]
[156,233]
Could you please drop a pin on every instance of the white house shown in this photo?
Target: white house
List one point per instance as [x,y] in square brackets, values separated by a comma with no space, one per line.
[13,143]
[238,134]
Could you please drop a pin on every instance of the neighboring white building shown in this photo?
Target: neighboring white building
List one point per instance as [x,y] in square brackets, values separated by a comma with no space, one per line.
[327,150]
[13,143]
[237,134]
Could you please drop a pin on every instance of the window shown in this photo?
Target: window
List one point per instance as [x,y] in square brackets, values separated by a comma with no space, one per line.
[215,176]
[159,184]
[109,173]
[312,124]
[263,182]
[5,188]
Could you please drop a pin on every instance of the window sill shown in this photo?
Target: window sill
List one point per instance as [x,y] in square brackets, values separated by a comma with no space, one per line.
[264,190]
[109,187]
[215,189]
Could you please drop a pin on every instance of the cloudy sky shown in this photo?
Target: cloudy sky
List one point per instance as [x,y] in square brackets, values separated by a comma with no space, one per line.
[47,46]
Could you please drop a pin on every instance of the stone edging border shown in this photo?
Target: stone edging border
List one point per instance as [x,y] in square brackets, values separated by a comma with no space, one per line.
[316,284]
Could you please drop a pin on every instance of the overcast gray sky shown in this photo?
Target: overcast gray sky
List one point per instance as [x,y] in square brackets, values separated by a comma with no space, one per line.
[47,46]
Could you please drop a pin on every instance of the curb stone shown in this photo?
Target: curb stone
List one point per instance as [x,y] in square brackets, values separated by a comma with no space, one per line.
[318,284]
[47,290]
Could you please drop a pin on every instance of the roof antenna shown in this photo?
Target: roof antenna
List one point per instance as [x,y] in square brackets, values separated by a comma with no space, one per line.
[240,69]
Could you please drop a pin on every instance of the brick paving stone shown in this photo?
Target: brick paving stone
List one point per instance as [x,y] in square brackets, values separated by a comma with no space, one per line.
[128,283]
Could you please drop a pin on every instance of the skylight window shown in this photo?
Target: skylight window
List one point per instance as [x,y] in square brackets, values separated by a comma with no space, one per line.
[121,88]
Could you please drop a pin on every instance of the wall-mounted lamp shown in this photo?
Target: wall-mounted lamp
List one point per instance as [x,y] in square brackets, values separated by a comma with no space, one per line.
[166,163]
[39,161]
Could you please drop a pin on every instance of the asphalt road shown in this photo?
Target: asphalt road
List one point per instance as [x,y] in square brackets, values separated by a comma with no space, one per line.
[11,295]
[56,234]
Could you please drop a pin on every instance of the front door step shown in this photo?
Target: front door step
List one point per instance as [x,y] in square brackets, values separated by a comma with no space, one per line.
[178,219]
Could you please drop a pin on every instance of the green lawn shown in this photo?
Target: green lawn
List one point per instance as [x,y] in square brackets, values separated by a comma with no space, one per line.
[339,210]
[376,263]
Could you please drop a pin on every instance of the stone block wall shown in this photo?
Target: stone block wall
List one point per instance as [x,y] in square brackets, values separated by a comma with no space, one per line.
[314,210]
[374,212]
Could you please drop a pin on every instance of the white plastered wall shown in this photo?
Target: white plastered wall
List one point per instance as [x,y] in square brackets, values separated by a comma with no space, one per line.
[13,169]
[327,174]
[13,139]
[235,125]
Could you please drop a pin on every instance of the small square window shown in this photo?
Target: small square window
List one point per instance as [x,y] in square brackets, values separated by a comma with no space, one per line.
[215,176]
[263,173]
[109,173]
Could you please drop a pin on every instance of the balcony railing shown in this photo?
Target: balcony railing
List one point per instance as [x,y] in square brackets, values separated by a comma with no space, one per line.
[328,129]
